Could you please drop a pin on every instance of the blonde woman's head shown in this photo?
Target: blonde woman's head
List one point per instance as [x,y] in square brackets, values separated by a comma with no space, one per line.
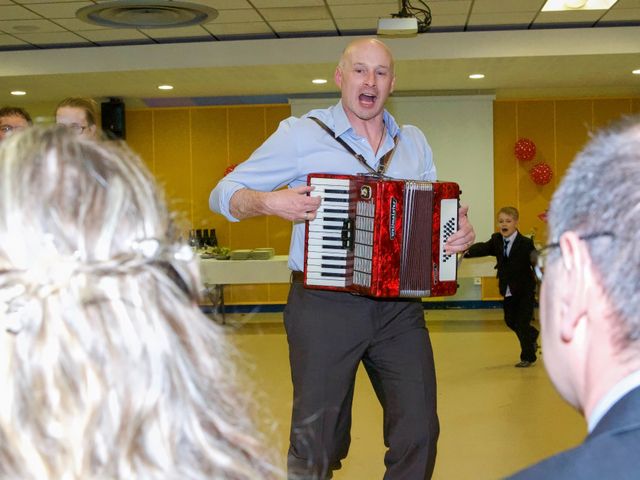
[107,367]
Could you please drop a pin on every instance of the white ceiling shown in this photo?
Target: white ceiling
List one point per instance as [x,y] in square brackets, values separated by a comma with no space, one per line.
[267,49]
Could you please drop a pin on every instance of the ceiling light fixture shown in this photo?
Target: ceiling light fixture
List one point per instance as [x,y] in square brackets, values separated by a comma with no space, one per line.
[636,71]
[165,87]
[319,81]
[18,93]
[476,76]
[146,14]
[409,21]
[572,5]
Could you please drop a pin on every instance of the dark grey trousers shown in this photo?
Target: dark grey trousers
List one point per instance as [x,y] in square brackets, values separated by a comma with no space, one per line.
[329,334]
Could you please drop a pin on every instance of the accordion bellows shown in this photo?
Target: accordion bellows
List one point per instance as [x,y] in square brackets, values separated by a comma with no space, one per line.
[381,237]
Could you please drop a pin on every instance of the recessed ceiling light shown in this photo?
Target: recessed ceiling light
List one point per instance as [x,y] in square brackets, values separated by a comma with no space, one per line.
[572,5]
[165,87]
[18,92]
[319,81]
[636,71]
[476,76]
[146,14]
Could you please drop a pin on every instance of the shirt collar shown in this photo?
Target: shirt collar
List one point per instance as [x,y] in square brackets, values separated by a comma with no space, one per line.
[341,122]
[511,237]
[618,391]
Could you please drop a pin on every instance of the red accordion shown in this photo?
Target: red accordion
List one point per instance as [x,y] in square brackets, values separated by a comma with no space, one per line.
[381,237]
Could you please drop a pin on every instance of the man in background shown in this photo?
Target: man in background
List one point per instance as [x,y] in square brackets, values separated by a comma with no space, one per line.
[13,119]
[590,306]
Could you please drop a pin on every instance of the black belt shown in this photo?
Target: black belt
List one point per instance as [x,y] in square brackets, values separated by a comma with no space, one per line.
[297,277]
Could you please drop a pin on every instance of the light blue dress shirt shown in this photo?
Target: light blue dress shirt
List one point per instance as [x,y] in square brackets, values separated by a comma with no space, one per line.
[300,147]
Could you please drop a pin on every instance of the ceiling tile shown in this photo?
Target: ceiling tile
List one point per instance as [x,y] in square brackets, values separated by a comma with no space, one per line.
[287,3]
[359,11]
[492,6]
[31,2]
[304,26]
[53,38]
[59,10]
[295,13]
[77,25]
[113,35]
[250,28]
[622,15]
[349,24]
[236,16]
[449,20]
[10,40]
[194,31]
[501,18]
[449,7]
[15,12]
[29,26]
[581,16]
[224,4]
[391,3]
[626,4]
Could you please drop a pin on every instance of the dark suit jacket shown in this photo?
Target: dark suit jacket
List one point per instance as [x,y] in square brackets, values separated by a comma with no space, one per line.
[610,452]
[515,271]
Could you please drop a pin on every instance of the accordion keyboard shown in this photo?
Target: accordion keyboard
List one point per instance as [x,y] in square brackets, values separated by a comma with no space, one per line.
[329,262]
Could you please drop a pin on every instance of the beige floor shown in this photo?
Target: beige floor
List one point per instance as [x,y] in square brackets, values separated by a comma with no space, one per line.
[495,419]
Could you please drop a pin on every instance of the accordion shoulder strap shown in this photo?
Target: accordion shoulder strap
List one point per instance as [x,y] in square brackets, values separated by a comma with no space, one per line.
[384,161]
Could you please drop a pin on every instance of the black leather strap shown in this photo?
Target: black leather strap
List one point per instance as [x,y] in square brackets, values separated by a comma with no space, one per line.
[384,161]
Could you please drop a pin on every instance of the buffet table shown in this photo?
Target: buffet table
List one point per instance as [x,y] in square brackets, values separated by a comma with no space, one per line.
[218,273]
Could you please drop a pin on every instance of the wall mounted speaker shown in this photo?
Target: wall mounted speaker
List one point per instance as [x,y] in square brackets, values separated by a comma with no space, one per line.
[113,118]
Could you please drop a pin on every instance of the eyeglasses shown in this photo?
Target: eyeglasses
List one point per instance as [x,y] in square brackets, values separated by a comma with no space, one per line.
[539,257]
[75,128]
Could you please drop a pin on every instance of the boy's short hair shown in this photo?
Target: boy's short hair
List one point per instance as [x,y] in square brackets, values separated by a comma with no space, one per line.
[511,211]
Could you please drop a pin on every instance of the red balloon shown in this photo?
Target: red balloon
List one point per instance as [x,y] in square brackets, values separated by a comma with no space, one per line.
[541,173]
[525,149]
[229,169]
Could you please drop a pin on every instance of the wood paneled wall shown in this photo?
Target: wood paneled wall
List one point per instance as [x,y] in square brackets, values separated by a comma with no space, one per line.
[188,150]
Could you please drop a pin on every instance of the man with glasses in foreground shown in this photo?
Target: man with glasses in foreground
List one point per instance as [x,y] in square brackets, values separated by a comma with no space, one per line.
[590,307]
[13,119]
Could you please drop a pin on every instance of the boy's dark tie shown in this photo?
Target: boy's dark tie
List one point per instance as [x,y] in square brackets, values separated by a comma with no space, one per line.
[506,248]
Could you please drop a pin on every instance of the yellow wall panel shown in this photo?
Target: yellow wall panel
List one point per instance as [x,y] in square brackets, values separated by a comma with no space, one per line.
[210,153]
[172,153]
[573,124]
[139,124]
[274,115]
[505,134]
[608,110]
[635,105]
[246,131]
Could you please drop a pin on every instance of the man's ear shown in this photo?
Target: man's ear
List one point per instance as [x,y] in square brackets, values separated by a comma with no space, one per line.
[574,275]
[337,77]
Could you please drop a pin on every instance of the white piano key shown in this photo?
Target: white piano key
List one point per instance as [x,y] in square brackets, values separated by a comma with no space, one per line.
[332,253]
[326,282]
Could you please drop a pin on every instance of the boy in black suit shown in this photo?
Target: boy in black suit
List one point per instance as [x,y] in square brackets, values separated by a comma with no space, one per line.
[516,279]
